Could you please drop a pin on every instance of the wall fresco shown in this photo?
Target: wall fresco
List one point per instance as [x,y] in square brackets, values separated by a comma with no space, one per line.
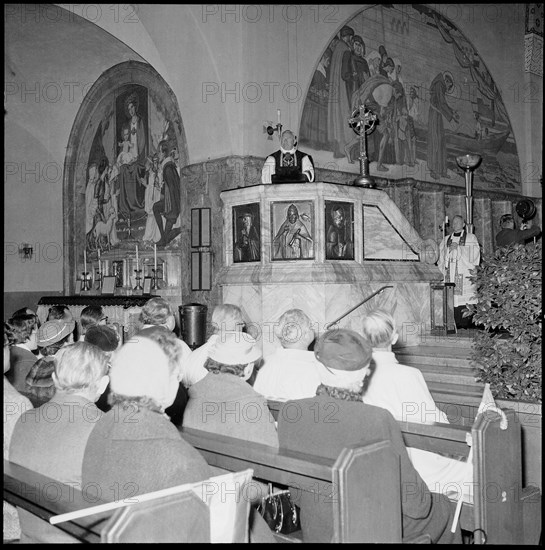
[432,92]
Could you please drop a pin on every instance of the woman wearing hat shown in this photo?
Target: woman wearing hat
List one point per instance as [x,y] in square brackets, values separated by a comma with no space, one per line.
[52,337]
[336,418]
[134,448]
[223,402]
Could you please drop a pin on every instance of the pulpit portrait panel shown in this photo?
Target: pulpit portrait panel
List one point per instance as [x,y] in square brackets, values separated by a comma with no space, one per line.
[339,230]
[246,233]
[292,230]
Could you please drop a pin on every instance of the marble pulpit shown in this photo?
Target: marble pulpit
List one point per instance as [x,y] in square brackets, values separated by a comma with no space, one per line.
[323,248]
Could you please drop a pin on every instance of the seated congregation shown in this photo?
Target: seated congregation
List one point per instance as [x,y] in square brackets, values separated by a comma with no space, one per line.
[120,413]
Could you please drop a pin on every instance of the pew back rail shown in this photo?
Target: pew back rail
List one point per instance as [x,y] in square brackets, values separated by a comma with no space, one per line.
[362,483]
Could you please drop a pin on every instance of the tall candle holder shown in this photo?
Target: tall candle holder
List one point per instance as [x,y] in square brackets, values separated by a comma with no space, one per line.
[154,280]
[85,281]
[98,279]
[138,286]
[469,163]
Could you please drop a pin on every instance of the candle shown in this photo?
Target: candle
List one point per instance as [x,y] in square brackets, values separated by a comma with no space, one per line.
[278,114]
[136,256]
[155,258]
[84,261]
[446,220]
[99,263]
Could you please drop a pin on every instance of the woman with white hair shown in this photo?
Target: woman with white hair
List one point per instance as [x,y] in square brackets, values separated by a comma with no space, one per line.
[225,318]
[291,372]
[51,439]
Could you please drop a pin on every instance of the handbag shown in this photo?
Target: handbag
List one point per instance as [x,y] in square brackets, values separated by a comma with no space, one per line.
[279,511]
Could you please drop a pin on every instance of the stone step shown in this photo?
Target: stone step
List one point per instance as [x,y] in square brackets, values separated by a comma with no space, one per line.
[450,375]
[464,338]
[441,364]
[460,393]
[434,355]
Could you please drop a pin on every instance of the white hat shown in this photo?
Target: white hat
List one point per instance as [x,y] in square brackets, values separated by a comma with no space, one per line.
[234,348]
[140,368]
[53,331]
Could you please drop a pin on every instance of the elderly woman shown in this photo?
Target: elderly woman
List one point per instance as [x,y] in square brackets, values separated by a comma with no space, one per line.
[21,332]
[55,447]
[52,337]
[224,402]
[134,448]
[225,318]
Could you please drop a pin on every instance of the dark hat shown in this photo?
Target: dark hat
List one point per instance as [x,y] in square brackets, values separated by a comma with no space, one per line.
[358,39]
[347,31]
[506,218]
[343,349]
[103,337]
[52,332]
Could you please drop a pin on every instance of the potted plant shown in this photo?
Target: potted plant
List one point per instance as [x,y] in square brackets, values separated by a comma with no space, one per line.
[507,349]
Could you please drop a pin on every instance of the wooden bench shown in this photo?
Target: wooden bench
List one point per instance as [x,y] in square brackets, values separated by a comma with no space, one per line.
[356,483]
[45,497]
[180,514]
[502,511]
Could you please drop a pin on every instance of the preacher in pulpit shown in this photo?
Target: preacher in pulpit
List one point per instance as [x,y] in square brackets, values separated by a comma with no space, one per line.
[288,165]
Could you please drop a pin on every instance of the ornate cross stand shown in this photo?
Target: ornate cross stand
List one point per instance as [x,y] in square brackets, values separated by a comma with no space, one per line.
[363,122]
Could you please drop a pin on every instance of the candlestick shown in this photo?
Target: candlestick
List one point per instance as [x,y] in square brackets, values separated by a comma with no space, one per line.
[155,257]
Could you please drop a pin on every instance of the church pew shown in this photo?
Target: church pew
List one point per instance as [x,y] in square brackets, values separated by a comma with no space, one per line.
[502,510]
[45,497]
[362,484]
[181,515]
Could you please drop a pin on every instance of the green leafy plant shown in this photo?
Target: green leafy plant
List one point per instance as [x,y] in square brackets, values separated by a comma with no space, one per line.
[508,287]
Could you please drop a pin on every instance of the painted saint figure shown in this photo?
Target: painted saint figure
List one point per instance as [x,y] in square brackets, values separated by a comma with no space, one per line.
[170,203]
[293,240]
[442,84]
[131,192]
[153,186]
[247,244]
[339,243]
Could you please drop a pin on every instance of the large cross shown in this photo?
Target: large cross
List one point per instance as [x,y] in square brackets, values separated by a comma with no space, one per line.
[362,124]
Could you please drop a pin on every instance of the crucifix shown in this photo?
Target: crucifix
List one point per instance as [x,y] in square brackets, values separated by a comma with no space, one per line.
[363,122]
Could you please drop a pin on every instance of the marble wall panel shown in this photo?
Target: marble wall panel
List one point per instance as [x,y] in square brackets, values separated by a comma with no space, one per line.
[407,201]
[455,205]
[431,214]
[482,211]
[325,303]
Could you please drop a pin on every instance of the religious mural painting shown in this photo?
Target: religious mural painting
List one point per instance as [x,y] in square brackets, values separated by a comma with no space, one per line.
[246,233]
[292,230]
[339,230]
[431,108]
[132,192]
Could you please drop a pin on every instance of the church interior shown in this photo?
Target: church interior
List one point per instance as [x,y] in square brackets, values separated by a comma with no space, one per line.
[136,137]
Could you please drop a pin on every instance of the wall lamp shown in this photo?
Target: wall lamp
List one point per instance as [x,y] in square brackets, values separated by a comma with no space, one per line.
[26,251]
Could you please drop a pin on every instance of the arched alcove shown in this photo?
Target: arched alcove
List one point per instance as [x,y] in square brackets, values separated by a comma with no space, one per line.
[121,215]
[433,93]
